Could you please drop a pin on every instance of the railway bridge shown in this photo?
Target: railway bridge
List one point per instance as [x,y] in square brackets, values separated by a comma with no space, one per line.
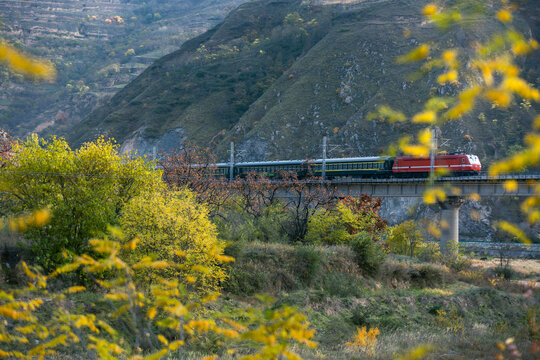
[457,189]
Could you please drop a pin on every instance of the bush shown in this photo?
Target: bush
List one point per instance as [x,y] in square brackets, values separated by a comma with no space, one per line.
[405,239]
[234,224]
[382,318]
[458,262]
[244,280]
[505,272]
[430,276]
[342,285]
[326,227]
[173,227]
[370,254]
[351,216]
[307,262]
[429,251]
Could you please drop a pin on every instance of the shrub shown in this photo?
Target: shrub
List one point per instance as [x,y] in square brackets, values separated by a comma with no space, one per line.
[235,224]
[405,239]
[381,317]
[505,272]
[335,330]
[342,285]
[244,280]
[326,227]
[430,276]
[307,262]
[458,262]
[341,224]
[370,254]
[173,227]
[429,251]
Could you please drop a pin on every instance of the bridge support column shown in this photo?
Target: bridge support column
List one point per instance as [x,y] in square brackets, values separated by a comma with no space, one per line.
[450,225]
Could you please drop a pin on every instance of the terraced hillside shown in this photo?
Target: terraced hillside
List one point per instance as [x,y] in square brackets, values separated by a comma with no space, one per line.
[98,47]
[275,76]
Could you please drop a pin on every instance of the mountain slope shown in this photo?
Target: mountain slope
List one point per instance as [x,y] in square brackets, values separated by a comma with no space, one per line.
[275,76]
[97,46]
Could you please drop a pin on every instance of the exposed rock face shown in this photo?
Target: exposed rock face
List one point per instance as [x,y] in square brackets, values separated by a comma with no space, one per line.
[166,144]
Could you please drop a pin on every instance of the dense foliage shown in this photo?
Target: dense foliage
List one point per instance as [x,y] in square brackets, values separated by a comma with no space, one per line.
[172,227]
[340,224]
[84,190]
[405,239]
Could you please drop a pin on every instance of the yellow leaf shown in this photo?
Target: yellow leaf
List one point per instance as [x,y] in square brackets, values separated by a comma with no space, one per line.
[511,185]
[151,313]
[25,65]
[175,345]
[225,259]
[420,53]
[180,253]
[131,245]
[41,217]
[425,117]
[450,58]
[211,357]
[448,77]
[504,16]
[415,150]
[162,339]
[75,289]
[429,10]
[417,353]
[498,97]
[537,123]
[431,196]
[424,137]
[513,230]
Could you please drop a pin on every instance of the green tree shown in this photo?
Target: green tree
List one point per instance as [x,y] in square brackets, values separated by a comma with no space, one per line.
[173,227]
[349,217]
[405,238]
[84,191]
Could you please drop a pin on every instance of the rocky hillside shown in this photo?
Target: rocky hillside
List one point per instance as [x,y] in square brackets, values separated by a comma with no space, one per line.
[98,47]
[275,76]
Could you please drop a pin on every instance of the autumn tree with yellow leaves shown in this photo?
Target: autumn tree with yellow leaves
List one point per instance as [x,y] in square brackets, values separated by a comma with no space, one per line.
[85,190]
[172,226]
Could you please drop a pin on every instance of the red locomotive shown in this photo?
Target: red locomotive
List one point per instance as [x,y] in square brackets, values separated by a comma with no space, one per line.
[459,164]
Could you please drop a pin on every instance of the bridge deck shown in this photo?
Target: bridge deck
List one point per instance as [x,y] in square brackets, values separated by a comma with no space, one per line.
[482,185]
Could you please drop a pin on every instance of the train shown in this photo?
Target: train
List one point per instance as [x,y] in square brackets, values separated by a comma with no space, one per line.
[361,167]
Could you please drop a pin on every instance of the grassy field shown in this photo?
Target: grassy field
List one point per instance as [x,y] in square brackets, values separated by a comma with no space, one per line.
[462,314]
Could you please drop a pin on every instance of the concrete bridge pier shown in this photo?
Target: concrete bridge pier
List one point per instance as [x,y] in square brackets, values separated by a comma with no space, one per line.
[450,225]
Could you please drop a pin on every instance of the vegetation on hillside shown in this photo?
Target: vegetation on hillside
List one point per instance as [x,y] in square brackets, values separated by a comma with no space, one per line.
[97,47]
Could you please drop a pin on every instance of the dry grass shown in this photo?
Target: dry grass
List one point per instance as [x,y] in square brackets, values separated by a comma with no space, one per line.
[525,267]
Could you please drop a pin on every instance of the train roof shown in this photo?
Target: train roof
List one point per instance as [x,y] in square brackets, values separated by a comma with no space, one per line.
[300,162]
[437,156]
